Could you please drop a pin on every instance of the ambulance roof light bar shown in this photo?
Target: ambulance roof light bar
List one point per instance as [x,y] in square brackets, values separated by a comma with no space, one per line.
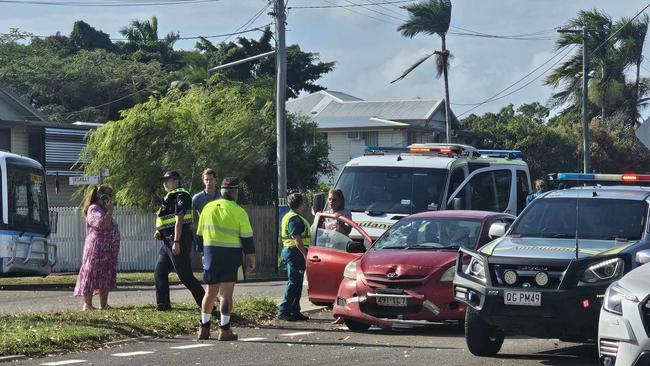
[509,154]
[383,150]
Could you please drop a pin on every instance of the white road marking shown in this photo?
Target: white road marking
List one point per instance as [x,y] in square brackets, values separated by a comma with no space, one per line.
[128,354]
[254,339]
[66,362]
[295,334]
[197,345]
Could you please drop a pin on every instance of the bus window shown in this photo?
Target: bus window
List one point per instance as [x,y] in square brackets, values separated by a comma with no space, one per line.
[27,200]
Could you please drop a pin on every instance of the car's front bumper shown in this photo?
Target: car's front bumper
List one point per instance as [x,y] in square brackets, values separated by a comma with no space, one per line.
[357,301]
[570,315]
[622,339]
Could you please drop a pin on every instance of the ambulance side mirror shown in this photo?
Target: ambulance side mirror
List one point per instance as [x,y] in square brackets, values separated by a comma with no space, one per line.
[318,203]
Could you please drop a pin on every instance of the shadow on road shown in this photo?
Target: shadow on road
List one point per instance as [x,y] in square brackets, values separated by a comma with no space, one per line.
[578,355]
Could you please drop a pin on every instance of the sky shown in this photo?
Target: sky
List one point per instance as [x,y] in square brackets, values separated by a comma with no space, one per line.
[368,50]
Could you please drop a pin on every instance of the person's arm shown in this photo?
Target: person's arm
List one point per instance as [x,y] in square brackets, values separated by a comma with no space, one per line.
[99,219]
[183,205]
[248,246]
[296,228]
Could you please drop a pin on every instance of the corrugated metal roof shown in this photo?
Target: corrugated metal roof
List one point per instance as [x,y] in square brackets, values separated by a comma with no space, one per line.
[338,104]
[391,110]
[355,122]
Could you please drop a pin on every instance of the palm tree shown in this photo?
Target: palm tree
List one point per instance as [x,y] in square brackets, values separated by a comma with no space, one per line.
[146,31]
[431,17]
[609,90]
[632,39]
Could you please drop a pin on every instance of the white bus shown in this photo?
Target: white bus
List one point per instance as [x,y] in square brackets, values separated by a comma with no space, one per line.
[25,221]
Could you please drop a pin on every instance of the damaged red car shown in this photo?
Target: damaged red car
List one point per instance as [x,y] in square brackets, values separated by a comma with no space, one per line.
[406,275]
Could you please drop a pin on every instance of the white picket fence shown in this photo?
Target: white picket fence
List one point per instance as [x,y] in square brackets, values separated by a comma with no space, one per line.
[138,248]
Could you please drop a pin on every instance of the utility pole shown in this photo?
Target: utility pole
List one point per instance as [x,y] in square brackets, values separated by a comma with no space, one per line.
[585,100]
[281,78]
[584,32]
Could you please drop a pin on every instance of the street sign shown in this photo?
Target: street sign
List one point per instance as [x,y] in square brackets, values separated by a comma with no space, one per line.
[643,133]
[84,180]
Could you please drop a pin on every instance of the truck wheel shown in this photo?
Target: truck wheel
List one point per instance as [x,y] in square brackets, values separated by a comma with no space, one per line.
[356,326]
[482,339]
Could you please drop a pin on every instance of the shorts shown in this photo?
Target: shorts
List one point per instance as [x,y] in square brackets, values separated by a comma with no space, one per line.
[221,264]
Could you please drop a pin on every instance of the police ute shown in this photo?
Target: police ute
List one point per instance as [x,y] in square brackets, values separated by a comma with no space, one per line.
[25,222]
[387,184]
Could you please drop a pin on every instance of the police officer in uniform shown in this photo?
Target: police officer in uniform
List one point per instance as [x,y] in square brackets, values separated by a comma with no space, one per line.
[226,232]
[173,228]
[295,240]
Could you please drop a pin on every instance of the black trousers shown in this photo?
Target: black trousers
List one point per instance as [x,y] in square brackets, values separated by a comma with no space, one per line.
[182,264]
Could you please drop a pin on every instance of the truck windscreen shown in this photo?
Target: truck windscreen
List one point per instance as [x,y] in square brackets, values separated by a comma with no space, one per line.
[392,190]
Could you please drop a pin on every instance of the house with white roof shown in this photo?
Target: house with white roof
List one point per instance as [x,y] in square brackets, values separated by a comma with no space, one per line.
[350,123]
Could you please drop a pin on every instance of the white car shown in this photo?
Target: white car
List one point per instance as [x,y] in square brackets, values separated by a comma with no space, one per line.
[624,326]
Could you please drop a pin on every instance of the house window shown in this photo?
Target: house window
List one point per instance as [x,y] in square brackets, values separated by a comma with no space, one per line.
[415,137]
[5,139]
[371,138]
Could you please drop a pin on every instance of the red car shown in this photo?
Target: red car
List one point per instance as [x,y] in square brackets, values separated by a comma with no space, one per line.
[406,275]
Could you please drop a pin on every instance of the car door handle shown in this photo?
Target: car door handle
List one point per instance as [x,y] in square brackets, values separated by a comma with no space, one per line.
[314,259]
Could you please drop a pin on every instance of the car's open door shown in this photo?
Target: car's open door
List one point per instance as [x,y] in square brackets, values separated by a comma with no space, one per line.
[330,251]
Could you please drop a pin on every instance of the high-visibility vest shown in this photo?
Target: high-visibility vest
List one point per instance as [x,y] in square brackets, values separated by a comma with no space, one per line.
[168,220]
[286,238]
[223,223]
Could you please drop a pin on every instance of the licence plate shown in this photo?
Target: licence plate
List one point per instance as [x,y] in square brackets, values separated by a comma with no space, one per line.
[525,298]
[391,301]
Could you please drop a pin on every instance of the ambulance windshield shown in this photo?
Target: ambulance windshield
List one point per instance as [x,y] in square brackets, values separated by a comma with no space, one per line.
[378,190]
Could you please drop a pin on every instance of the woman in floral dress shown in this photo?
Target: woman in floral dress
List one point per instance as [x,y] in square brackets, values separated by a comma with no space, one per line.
[98,273]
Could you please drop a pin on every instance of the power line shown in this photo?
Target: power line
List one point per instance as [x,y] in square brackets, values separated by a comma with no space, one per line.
[251,20]
[498,95]
[348,8]
[333,5]
[162,39]
[105,3]
[366,6]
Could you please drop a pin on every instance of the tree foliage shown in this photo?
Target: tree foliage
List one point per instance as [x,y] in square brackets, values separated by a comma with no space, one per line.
[303,68]
[611,94]
[227,125]
[556,145]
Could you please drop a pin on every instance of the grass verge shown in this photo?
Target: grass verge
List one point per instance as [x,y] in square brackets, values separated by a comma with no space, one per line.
[42,333]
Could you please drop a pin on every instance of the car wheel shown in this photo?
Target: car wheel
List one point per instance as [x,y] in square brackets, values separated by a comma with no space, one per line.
[482,339]
[356,326]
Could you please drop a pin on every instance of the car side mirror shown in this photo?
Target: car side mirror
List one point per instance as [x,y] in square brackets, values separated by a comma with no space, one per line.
[355,247]
[497,230]
[318,203]
[643,257]
[458,203]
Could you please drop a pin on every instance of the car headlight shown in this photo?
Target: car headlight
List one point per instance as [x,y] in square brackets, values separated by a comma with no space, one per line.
[610,269]
[448,276]
[613,301]
[350,271]
[476,269]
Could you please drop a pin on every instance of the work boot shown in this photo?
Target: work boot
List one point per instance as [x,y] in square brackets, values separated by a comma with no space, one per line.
[204,331]
[226,335]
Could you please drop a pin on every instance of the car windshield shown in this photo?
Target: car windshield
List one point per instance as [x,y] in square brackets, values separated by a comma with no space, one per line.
[430,233]
[392,190]
[604,219]
[27,198]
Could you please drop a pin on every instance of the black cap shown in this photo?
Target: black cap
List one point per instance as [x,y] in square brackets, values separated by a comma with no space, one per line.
[172,174]
[230,183]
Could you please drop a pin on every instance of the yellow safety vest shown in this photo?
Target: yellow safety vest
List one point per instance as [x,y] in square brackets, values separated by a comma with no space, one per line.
[169,221]
[223,223]
[287,239]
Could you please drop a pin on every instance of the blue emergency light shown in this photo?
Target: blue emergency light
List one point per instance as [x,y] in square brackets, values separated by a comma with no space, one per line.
[628,177]
[510,154]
